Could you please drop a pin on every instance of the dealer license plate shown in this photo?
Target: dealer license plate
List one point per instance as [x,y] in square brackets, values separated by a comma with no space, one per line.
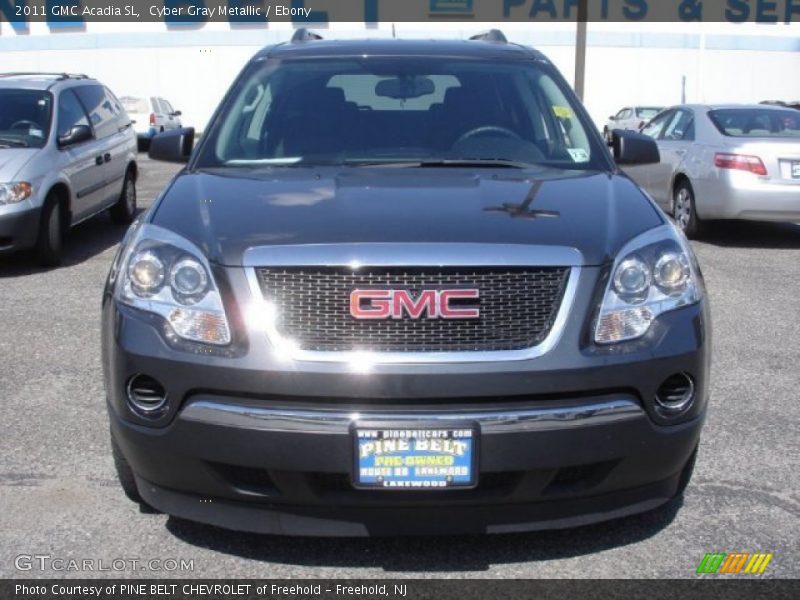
[417,458]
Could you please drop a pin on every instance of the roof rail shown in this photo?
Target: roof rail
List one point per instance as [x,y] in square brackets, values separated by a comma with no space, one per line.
[305,35]
[493,35]
[57,76]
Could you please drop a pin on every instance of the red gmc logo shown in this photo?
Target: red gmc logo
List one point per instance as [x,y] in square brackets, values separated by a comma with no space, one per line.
[397,304]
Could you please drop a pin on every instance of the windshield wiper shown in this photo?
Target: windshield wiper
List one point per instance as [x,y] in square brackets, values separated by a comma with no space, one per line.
[474,163]
[14,142]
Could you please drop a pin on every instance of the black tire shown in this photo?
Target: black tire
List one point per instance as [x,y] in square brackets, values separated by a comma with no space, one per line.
[124,473]
[50,242]
[686,474]
[124,211]
[684,210]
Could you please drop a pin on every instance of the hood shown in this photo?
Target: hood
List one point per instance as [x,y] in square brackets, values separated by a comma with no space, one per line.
[227,211]
[12,160]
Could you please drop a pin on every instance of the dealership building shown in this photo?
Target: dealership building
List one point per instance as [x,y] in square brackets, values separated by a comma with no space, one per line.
[653,64]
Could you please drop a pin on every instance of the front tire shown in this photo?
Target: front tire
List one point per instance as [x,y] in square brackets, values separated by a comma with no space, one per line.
[124,473]
[50,243]
[684,210]
[124,211]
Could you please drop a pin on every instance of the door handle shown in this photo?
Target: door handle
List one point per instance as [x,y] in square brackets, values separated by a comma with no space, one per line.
[107,157]
[98,160]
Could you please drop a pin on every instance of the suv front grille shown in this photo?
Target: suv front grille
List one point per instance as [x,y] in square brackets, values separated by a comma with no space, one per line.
[517,308]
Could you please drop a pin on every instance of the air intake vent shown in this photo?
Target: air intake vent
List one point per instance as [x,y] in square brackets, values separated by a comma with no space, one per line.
[676,393]
[146,395]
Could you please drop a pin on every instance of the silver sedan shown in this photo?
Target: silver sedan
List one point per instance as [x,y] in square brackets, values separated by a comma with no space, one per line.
[724,162]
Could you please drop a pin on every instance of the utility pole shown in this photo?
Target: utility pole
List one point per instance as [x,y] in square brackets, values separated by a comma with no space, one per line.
[580,48]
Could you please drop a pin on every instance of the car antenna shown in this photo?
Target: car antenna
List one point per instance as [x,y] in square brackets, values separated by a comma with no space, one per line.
[305,35]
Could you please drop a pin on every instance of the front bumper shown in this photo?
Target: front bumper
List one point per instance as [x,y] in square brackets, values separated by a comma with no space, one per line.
[251,442]
[19,228]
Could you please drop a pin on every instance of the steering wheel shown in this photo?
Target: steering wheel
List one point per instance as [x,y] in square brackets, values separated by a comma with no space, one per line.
[25,124]
[504,131]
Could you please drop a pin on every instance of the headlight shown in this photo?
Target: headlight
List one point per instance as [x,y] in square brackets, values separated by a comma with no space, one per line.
[162,273]
[655,273]
[11,193]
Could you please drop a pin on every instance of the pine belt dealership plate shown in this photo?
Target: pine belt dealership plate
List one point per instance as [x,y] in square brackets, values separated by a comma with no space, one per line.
[415,458]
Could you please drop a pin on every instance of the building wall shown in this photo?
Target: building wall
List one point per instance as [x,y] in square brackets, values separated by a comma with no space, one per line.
[626,63]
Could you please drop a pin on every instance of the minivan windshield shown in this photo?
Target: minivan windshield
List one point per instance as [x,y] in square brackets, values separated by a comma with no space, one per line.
[399,110]
[757,122]
[25,117]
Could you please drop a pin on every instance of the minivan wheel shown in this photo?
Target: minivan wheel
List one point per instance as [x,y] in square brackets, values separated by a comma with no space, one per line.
[684,210]
[124,211]
[50,243]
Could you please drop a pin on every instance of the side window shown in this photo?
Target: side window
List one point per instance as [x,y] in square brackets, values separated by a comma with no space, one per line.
[123,120]
[70,112]
[679,126]
[167,107]
[103,112]
[656,126]
[621,114]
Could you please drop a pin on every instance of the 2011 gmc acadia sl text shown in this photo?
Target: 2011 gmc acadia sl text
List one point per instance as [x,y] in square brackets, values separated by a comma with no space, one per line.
[402,287]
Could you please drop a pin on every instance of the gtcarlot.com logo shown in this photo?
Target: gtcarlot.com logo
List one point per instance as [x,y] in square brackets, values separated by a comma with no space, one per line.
[737,563]
[46,562]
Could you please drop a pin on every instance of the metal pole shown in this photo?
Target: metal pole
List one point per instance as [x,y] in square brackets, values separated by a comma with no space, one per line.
[580,48]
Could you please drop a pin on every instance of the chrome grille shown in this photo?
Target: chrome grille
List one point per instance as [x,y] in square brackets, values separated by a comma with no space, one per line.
[517,308]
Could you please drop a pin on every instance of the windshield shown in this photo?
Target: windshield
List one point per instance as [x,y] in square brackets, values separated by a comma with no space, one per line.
[398,110]
[647,112]
[757,122]
[24,118]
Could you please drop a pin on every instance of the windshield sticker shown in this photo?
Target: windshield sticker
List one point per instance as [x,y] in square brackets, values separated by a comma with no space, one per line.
[562,112]
[578,154]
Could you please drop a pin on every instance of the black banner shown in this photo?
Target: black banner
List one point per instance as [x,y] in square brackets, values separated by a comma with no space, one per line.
[320,12]
[703,588]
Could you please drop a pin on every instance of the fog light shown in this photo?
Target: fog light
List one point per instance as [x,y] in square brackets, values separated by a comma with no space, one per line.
[675,394]
[146,395]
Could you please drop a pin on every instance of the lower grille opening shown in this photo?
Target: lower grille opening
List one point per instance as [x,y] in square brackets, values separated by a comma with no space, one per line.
[579,477]
[249,479]
[5,241]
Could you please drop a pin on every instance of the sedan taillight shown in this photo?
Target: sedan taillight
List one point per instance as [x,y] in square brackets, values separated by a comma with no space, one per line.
[740,162]
[152,118]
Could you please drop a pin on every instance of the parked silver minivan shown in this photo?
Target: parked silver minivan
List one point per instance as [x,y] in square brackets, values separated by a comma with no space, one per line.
[67,152]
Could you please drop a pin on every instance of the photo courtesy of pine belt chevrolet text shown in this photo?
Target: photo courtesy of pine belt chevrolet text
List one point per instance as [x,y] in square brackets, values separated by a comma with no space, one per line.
[403,287]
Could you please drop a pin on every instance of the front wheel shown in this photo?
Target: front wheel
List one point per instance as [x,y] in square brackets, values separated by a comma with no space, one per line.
[50,243]
[684,210]
[124,211]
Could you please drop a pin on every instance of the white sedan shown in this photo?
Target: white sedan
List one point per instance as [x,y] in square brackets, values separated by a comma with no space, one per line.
[724,162]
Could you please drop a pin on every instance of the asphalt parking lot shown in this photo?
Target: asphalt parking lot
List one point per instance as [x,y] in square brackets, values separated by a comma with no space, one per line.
[59,495]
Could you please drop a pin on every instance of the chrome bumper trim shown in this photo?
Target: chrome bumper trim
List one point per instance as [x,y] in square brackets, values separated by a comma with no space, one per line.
[333,421]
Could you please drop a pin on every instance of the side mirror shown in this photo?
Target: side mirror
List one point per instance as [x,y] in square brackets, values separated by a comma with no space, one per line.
[612,118]
[177,113]
[632,148]
[76,135]
[172,146]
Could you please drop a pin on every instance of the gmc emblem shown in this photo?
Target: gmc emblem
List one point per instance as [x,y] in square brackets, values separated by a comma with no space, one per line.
[397,304]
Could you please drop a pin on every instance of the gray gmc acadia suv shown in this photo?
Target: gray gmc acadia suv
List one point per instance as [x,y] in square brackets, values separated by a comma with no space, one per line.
[402,287]
[67,152]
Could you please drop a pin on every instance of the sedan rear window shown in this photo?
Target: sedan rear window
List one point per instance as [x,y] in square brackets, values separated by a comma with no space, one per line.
[134,105]
[756,122]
